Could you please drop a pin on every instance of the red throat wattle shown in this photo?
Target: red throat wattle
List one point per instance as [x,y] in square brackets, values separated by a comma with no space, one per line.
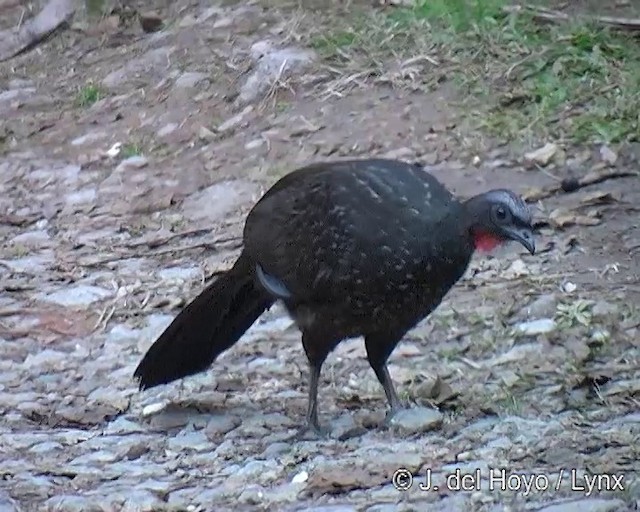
[486,242]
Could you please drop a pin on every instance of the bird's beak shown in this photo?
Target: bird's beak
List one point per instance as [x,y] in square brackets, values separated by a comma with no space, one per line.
[523,236]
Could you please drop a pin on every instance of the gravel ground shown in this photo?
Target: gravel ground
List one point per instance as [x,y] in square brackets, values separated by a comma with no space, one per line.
[129,161]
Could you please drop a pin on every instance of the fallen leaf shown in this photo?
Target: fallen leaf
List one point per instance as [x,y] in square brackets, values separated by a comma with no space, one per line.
[561,218]
[343,476]
[533,194]
[89,415]
[600,197]
[436,390]
[543,155]
[152,202]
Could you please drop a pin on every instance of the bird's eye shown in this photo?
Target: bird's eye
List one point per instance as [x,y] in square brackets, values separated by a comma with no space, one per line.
[501,213]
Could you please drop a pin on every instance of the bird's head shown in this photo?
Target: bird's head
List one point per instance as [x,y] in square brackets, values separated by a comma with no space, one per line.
[497,217]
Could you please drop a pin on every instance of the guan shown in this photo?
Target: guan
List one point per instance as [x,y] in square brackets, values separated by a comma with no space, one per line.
[365,247]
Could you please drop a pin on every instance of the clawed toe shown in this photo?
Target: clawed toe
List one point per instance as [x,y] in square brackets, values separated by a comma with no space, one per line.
[309,431]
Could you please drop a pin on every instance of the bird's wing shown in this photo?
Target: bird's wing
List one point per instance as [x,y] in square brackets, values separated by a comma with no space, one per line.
[324,230]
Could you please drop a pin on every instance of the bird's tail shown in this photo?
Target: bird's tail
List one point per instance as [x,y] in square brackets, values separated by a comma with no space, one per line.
[206,327]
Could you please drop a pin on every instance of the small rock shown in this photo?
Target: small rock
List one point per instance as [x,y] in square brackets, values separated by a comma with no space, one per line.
[607,155]
[45,447]
[543,155]
[16,94]
[46,358]
[84,196]
[133,162]
[170,419]
[301,477]
[272,64]
[275,449]
[234,121]
[218,200]
[179,273]
[252,494]
[516,269]
[31,238]
[88,138]
[122,426]
[400,153]
[99,457]
[114,150]
[254,144]
[110,397]
[345,428]
[220,425]
[516,353]
[535,327]
[543,306]
[205,134]
[604,309]
[80,295]
[190,441]
[189,79]
[167,129]
[153,409]
[417,419]
[146,64]
[70,503]
[587,505]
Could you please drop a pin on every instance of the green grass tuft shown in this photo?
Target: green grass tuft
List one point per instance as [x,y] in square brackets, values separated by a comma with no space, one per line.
[131,149]
[88,95]
[519,78]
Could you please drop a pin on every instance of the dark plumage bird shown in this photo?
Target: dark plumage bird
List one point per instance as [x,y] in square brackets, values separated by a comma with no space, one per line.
[353,248]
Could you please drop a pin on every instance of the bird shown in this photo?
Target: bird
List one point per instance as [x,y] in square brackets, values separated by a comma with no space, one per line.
[364,247]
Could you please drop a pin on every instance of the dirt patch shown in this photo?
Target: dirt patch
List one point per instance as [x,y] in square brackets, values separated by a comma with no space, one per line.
[129,161]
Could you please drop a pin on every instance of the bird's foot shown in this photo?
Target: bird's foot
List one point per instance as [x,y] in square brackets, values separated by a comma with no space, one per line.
[310,431]
[391,413]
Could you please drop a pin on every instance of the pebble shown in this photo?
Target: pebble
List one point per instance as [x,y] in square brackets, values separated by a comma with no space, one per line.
[190,441]
[217,201]
[219,425]
[417,420]
[345,427]
[80,295]
[190,79]
[535,327]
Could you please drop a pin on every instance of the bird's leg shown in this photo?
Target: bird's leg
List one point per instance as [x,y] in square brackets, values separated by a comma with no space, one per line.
[389,390]
[378,350]
[316,354]
[311,418]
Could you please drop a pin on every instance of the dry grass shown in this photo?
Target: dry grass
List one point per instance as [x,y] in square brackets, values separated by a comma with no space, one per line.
[518,79]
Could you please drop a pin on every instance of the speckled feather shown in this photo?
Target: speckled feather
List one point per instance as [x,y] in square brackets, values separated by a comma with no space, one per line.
[368,246]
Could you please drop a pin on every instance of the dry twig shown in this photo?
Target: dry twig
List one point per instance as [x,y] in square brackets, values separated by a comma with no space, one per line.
[569,185]
[552,16]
